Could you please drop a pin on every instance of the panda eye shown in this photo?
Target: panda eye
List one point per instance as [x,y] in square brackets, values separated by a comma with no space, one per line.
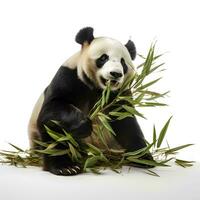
[125,68]
[102,60]
[104,57]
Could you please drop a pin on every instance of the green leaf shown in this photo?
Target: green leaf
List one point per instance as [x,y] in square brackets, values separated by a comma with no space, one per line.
[106,124]
[184,163]
[107,93]
[19,149]
[148,84]
[60,152]
[43,144]
[75,154]
[90,162]
[117,114]
[105,116]
[94,149]
[139,98]
[146,162]
[53,152]
[54,135]
[133,153]
[163,133]
[127,83]
[139,153]
[156,96]
[133,111]
[156,67]
[124,115]
[173,150]
[52,145]
[154,135]
[95,112]
[71,139]
[154,104]
[152,173]
[98,131]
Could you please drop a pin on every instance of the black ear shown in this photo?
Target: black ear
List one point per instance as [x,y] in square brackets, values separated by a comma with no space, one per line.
[85,35]
[131,49]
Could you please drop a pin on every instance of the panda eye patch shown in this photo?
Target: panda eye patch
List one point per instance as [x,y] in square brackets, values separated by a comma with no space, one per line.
[102,60]
[104,57]
[125,68]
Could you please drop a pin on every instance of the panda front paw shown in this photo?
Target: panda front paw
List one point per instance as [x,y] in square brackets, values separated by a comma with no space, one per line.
[83,128]
[67,171]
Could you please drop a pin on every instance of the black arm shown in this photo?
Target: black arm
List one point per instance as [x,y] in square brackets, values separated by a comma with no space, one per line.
[70,118]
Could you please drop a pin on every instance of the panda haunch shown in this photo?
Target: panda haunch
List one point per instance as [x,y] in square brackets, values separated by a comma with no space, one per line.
[75,89]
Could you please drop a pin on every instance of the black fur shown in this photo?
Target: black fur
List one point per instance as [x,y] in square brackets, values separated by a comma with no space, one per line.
[102,60]
[85,35]
[131,49]
[125,67]
[68,100]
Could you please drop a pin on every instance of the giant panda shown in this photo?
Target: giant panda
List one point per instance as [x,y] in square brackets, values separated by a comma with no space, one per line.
[74,90]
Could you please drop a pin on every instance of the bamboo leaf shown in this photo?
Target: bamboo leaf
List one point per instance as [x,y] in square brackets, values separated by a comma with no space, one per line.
[43,144]
[52,145]
[133,111]
[75,154]
[54,135]
[60,153]
[173,150]
[152,173]
[107,92]
[154,104]
[135,152]
[124,115]
[94,149]
[71,139]
[154,135]
[163,133]
[156,67]
[146,162]
[148,84]
[19,149]
[90,162]
[106,124]
[184,163]
[105,116]
[52,152]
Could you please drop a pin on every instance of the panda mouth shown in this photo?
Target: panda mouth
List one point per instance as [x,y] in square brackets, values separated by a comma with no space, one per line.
[113,83]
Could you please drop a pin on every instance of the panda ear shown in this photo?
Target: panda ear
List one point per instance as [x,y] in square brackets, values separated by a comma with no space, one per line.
[85,35]
[131,49]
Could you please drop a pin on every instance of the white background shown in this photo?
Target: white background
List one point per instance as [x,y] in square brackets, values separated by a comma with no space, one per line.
[36,37]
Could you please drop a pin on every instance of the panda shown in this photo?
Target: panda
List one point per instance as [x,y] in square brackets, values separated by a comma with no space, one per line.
[74,90]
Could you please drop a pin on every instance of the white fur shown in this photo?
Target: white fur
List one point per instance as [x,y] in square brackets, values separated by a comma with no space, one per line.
[71,62]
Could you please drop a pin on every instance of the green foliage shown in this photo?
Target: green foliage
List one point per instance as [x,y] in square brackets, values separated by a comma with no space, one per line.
[134,93]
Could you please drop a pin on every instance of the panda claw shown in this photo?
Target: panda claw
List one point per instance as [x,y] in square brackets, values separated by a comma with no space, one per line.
[74,170]
[77,167]
[69,172]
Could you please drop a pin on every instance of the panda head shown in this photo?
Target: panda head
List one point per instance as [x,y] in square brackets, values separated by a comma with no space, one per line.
[104,59]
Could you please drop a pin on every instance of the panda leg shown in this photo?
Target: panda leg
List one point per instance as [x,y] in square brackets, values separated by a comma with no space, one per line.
[130,137]
[73,121]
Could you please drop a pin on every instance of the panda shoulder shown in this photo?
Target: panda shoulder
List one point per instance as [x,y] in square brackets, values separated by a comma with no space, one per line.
[72,61]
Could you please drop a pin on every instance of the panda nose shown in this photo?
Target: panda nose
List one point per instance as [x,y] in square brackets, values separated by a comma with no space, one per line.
[116,74]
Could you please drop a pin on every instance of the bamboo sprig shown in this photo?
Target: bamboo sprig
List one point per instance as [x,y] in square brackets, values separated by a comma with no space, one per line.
[134,93]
